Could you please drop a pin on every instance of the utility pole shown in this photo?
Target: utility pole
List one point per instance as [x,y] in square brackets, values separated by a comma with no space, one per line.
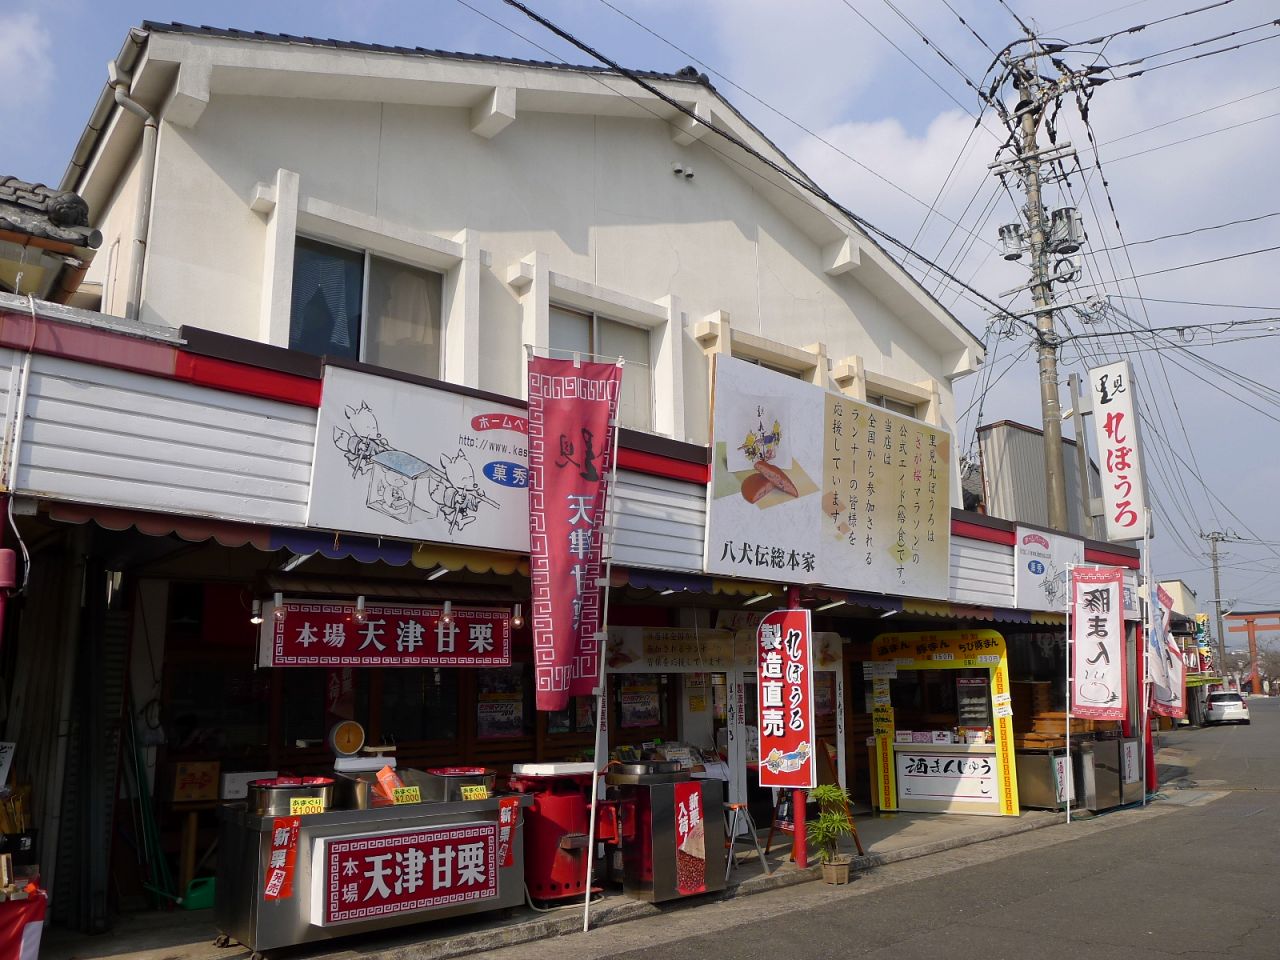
[1213,539]
[1029,110]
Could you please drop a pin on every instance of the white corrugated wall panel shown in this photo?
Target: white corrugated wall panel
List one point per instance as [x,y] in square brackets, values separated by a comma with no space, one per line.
[99,435]
[981,573]
[659,522]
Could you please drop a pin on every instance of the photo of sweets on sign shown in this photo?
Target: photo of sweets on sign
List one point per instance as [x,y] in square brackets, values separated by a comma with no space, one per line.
[572,408]
[785,697]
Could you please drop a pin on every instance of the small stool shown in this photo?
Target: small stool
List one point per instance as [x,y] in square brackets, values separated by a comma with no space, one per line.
[737,816]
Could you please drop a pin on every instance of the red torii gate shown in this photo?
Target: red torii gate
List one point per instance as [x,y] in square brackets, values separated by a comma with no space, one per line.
[1264,621]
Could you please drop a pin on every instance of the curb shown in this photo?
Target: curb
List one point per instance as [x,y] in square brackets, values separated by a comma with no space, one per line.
[540,928]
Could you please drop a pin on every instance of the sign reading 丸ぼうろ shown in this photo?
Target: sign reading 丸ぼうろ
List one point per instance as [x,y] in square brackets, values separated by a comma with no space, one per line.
[785,697]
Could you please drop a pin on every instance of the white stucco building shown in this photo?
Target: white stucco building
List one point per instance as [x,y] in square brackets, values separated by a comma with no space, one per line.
[434,212]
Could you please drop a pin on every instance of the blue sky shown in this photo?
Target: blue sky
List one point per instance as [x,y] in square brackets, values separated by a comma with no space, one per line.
[852,86]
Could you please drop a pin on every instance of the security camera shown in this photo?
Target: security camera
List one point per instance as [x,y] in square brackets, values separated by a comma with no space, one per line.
[688,173]
[677,168]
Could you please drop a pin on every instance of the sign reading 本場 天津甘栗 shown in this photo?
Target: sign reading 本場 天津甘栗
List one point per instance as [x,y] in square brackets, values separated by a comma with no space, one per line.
[810,486]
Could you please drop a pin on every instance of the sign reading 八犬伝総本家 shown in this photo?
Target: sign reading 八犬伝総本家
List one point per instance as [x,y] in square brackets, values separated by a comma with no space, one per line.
[1115,431]
[809,486]
[785,695]
[365,877]
[1098,671]
[572,412]
[325,634]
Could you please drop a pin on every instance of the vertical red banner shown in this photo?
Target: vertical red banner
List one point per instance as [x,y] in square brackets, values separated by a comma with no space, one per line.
[784,681]
[691,839]
[284,856]
[571,407]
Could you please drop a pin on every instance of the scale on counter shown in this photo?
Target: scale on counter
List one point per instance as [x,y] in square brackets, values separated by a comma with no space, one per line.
[347,741]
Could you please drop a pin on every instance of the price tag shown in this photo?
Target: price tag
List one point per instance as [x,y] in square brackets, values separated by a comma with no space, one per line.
[475,791]
[300,806]
[988,658]
[401,795]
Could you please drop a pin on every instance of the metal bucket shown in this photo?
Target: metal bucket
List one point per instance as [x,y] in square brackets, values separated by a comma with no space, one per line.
[351,792]
[273,798]
[446,783]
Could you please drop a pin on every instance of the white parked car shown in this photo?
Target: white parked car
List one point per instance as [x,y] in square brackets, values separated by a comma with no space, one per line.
[1226,706]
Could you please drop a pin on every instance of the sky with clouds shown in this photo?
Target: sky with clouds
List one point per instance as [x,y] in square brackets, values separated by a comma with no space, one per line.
[854,94]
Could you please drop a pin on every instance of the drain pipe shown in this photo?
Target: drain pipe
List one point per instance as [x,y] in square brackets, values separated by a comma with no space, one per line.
[119,83]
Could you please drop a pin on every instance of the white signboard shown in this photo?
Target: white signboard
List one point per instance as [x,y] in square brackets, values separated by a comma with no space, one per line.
[1129,759]
[1040,568]
[947,776]
[1098,669]
[410,461]
[809,486]
[1115,431]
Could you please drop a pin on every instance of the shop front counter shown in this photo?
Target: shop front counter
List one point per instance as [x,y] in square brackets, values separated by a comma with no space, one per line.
[285,880]
[947,778]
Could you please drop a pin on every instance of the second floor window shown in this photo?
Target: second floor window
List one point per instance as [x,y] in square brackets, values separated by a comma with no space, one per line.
[594,336]
[358,306]
[894,406]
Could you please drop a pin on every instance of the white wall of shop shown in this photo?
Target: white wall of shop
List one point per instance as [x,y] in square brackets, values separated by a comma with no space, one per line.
[569,201]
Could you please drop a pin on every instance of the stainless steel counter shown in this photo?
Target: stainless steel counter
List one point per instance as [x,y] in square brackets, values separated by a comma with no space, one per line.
[352,871]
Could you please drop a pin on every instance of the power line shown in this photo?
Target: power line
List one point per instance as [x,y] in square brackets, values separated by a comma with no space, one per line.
[1193,232]
[1021,23]
[1173,63]
[934,47]
[800,181]
[1188,266]
[1186,46]
[784,116]
[1198,136]
[950,96]
[1099,16]
[1199,303]
[1188,116]
[1143,26]
[969,26]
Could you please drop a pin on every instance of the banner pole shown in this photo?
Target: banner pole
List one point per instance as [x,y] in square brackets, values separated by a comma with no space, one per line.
[601,750]
[1140,652]
[1071,602]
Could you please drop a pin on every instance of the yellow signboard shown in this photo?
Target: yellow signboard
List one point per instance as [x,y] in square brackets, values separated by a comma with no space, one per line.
[475,791]
[401,795]
[301,806]
[946,650]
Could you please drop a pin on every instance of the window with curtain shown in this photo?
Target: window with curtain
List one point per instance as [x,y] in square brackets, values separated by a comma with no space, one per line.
[594,336]
[393,320]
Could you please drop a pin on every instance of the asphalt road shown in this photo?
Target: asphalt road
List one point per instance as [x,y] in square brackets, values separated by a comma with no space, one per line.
[1197,876]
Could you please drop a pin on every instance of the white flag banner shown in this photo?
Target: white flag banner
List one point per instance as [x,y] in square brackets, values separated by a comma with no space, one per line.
[1097,643]
[1165,666]
[1115,431]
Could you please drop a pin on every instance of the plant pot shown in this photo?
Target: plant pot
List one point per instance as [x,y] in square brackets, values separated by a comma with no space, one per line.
[836,870]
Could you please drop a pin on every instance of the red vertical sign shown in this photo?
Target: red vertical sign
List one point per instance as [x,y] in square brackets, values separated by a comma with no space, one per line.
[691,839]
[284,856]
[570,457]
[785,697]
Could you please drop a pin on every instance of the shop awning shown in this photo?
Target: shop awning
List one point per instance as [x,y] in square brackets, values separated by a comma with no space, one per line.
[429,556]
[1201,680]
[340,546]
[191,529]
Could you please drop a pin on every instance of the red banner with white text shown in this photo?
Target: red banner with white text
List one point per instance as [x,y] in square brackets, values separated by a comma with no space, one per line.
[324,633]
[785,697]
[571,406]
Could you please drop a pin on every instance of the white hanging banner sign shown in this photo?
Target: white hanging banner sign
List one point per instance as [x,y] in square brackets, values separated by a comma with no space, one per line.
[1166,668]
[1097,644]
[1115,432]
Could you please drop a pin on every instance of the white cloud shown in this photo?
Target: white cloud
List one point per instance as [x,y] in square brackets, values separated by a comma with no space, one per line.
[26,66]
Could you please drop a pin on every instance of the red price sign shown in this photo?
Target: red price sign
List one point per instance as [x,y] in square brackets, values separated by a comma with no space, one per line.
[383,635]
[784,665]
[420,870]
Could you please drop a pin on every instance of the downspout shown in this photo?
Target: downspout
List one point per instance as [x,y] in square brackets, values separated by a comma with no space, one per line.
[142,218]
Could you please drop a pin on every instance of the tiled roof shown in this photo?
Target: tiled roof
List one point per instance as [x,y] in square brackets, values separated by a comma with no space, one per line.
[40,211]
[687,74]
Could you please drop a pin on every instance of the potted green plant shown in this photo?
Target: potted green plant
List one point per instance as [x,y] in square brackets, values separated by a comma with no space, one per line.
[831,826]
